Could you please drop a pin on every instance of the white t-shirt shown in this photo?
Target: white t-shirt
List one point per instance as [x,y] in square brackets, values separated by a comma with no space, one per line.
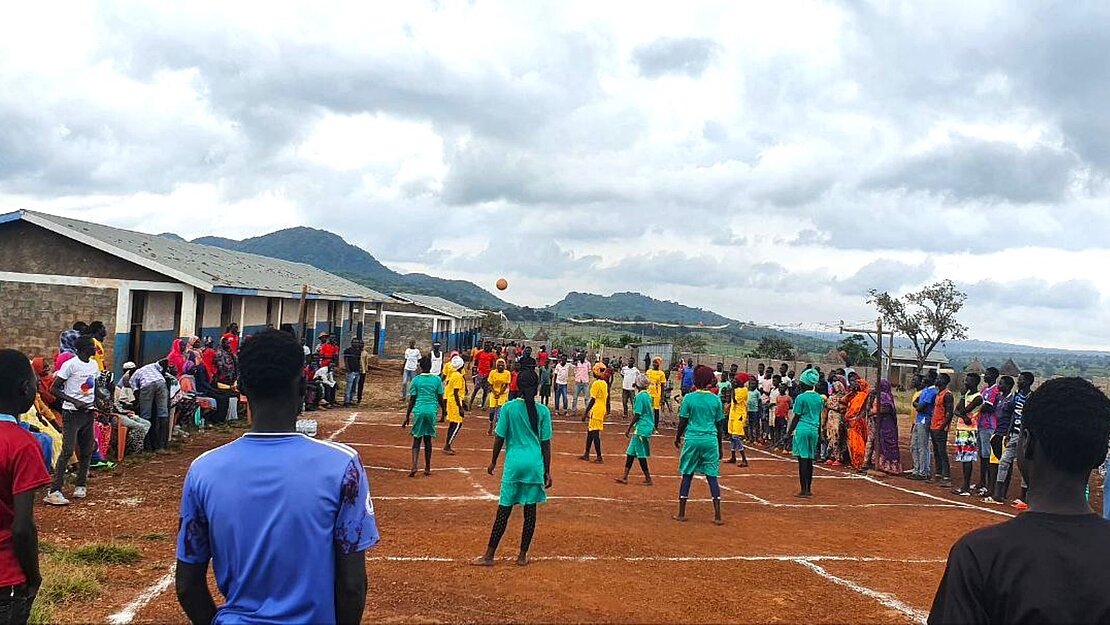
[412,359]
[562,373]
[80,380]
[437,363]
[628,374]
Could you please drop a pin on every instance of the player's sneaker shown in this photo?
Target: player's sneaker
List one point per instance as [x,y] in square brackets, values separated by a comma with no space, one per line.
[80,492]
[1020,505]
[55,498]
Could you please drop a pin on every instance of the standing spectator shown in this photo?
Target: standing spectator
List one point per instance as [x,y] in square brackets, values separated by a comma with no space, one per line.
[328,350]
[22,471]
[562,379]
[1047,565]
[542,356]
[232,338]
[988,423]
[75,385]
[943,407]
[919,435]
[364,360]
[412,360]
[352,361]
[98,333]
[67,343]
[436,356]
[629,373]
[309,564]
[581,380]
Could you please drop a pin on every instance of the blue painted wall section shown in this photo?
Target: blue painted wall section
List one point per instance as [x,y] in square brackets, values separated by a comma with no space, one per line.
[122,346]
[381,342]
[156,345]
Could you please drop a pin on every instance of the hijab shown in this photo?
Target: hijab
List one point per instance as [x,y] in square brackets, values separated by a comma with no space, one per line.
[38,364]
[208,358]
[886,398]
[176,357]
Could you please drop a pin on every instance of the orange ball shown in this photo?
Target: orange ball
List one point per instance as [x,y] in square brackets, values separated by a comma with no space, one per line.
[502,284]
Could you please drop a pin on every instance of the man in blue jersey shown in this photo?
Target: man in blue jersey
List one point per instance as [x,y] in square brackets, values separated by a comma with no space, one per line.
[284,519]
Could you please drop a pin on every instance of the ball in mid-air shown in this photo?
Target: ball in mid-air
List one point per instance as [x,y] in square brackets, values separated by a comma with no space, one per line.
[502,284]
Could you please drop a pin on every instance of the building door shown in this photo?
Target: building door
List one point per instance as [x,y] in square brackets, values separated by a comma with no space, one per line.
[225,312]
[198,327]
[138,312]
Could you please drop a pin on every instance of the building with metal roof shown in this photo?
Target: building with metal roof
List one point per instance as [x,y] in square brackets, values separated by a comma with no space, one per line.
[417,317]
[149,289]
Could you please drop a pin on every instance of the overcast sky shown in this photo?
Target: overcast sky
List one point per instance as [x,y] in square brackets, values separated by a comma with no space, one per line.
[770,161]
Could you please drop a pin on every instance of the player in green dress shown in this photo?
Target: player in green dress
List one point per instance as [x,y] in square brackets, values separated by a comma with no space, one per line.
[701,420]
[804,429]
[524,429]
[425,398]
[639,444]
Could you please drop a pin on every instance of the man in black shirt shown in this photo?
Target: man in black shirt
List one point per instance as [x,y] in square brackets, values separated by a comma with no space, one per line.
[1048,565]
[352,362]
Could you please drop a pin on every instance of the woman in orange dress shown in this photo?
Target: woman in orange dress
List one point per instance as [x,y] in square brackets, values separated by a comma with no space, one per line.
[857,420]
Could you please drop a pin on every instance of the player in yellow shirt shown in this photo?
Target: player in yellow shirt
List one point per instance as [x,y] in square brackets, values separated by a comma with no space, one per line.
[498,380]
[657,379]
[595,412]
[738,418]
[454,396]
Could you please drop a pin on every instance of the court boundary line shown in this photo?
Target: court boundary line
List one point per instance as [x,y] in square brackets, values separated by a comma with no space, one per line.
[885,599]
[730,558]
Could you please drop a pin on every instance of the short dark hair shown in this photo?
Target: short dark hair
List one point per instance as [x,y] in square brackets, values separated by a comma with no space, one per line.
[425,364]
[84,341]
[1006,381]
[993,371]
[80,326]
[269,362]
[973,377]
[14,370]
[96,326]
[944,376]
[1028,376]
[1070,419]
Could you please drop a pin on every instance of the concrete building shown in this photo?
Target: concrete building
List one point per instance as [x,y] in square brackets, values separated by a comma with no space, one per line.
[149,289]
[425,319]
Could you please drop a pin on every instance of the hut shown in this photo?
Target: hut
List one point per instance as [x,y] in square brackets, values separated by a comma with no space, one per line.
[975,366]
[518,334]
[541,335]
[1010,368]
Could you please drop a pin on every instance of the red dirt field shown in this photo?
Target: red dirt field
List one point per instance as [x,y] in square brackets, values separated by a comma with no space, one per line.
[864,549]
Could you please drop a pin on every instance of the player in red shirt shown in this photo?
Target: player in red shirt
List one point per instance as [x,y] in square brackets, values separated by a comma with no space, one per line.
[329,351]
[22,471]
[483,362]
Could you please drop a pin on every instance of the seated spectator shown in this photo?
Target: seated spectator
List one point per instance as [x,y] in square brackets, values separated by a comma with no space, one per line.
[326,378]
[125,395]
[1045,565]
[205,389]
[313,388]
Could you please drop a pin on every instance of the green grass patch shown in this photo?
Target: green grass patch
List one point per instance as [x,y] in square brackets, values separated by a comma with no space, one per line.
[104,553]
[62,581]
[154,536]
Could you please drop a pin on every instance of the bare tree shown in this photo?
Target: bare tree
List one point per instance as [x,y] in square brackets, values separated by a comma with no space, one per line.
[926,317]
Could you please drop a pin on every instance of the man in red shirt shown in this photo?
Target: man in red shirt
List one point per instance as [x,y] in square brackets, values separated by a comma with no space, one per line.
[541,357]
[483,363]
[232,338]
[329,350]
[22,471]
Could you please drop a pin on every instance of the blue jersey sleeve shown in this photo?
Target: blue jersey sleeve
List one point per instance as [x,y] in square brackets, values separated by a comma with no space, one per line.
[355,527]
[193,545]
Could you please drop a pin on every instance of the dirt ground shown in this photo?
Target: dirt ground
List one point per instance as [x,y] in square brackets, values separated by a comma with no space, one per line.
[862,550]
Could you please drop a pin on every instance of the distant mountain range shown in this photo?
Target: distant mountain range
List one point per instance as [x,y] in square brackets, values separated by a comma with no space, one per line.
[632,307]
[330,252]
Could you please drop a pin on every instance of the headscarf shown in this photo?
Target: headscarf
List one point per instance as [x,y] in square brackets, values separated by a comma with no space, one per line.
[809,377]
[742,379]
[704,377]
[642,381]
[457,362]
[190,363]
[501,362]
[176,357]
[599,370]
[208,358]
[886,398]
[67,341]
[38,364]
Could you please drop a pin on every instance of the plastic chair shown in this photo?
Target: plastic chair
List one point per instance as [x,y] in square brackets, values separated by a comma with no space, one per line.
[121,440]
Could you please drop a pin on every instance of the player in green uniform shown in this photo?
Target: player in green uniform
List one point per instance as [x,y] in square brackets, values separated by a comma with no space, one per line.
[524,429]
[701,420]
[639,444]
[804,429]
[425,399]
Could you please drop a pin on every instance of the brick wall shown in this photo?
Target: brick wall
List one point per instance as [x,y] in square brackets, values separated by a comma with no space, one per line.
[400,330]
[33,315]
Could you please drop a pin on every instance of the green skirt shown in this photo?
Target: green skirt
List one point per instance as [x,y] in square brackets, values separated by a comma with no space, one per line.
[424,424]
[805,442]
[514,493]
[639,447]
[701,454]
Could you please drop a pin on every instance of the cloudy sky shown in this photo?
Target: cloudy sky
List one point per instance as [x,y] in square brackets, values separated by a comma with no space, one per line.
[768,160]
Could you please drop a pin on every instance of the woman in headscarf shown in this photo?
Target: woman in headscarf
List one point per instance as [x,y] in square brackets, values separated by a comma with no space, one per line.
[524,429]
[45,381]
[176,357]
[639,444]
[804,429]
[454,397]
[890,460]
[499,381]
[595,413]
[227,365]
[701,421]
[856,416]
[738,417]
[834,421]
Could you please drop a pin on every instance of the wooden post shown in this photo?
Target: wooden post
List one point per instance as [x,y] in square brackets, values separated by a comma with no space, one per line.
[879,352]
[303,315]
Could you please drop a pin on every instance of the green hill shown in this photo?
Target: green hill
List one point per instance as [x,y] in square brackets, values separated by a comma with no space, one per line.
[330,252]
[632,307]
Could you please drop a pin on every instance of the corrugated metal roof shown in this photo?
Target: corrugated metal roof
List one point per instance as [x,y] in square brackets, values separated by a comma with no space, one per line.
[905,354]
[438,304]
[208,268]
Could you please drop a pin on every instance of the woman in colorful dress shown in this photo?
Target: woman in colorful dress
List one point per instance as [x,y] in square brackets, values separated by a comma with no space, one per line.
[701,422]
[834,422]
[856,416]
[524,430]
[425,397]
[890,458]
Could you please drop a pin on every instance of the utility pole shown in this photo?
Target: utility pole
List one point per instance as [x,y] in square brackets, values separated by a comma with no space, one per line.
[877,336]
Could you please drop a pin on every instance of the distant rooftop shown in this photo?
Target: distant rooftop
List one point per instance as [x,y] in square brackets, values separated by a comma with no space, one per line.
[909,355]
[205,267]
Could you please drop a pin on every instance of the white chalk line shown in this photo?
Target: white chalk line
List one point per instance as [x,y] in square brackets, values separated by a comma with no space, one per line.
[910,491]
[886,600]
[128,612]
[732,475]
[477,485]
[738,558]
[557,453]
[756,501]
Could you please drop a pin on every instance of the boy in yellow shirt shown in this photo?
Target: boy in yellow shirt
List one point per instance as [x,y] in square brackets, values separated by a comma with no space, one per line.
[595,412]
